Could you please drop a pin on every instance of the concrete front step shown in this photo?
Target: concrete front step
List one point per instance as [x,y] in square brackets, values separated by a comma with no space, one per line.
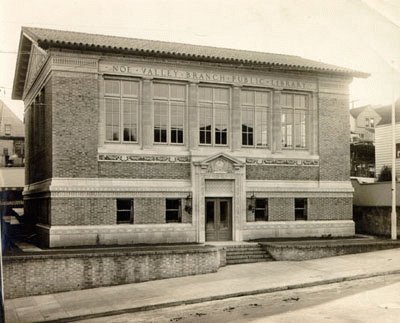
[245,252]
[240,254]
[243,261]
[247,256]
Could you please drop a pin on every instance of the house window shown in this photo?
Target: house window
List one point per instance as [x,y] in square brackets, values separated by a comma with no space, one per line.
[300,209]
[7,129]
[121,104]
[369,122]
[173,211]
[294,120]
[169,113]
[124,211]
[213,116]
[261,210]
[255,106]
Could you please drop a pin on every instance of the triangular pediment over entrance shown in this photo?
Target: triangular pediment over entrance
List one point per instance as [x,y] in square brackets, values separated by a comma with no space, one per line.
[220,163]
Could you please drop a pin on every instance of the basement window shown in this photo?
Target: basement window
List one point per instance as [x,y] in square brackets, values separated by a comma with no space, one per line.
[173,211]
[124,211]
[300,209]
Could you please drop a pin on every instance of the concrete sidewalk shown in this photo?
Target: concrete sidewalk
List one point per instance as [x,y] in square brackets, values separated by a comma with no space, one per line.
[230,281]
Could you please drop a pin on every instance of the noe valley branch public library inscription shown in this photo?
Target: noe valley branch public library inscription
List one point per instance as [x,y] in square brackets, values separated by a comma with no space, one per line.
[200,76]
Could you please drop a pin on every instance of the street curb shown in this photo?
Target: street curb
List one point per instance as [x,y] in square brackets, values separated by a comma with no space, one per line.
[221,297]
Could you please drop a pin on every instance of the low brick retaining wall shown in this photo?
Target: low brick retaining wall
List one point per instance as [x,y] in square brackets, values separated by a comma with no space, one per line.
[306,251]
[50,272]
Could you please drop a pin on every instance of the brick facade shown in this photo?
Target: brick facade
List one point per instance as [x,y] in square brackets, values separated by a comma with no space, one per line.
[83,211]
[334,146]
[281,209]
[104,138]
[152,210]
[318,208]
[266,172]
[144,170]
[75,125]
[325,208]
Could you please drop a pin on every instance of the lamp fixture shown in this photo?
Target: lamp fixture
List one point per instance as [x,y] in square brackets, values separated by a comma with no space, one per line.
[188,204]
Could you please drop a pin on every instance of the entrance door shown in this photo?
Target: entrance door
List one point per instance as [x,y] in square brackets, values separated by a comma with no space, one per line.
[218,219]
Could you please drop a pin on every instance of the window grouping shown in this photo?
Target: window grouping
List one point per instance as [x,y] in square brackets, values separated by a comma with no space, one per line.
[125,210]
[169,106]
[294,120]
[213,115]
[255,110]
[169,113]
[121,104]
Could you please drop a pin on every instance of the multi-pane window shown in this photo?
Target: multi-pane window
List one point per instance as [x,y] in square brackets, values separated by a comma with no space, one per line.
[300,209]
[254,118]
[124,211]
[121,104]
[261,210]
[294,120]
[169,113]
[173,210]
[213,115]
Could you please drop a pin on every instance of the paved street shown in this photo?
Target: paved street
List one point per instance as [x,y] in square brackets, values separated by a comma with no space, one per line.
[230,281]
[366,300]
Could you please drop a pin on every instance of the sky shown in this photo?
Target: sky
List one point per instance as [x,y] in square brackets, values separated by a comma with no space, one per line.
[359,34]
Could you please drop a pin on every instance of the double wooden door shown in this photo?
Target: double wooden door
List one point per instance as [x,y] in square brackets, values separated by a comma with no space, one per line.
[218,216]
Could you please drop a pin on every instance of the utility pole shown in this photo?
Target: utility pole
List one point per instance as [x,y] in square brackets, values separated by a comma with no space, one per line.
[2,309]
[394,213]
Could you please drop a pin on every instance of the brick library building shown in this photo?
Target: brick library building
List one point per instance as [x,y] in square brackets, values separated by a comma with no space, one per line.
[132,141]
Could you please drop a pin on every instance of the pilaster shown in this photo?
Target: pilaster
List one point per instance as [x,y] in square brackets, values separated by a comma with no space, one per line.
[147,114]
[276,122]
[193,131]
[236,119]
[313,133]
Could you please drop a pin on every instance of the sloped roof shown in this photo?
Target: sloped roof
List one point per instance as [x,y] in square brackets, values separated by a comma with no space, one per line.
[48,38]
[386,113]
[356,111]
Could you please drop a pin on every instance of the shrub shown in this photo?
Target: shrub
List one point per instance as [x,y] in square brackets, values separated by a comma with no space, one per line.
[386,174]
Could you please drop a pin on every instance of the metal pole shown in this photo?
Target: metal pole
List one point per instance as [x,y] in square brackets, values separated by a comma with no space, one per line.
[394,213]
[2,309]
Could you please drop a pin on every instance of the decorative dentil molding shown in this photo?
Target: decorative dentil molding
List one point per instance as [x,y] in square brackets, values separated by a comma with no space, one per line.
[219,165]
[143,158]
[282,162]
